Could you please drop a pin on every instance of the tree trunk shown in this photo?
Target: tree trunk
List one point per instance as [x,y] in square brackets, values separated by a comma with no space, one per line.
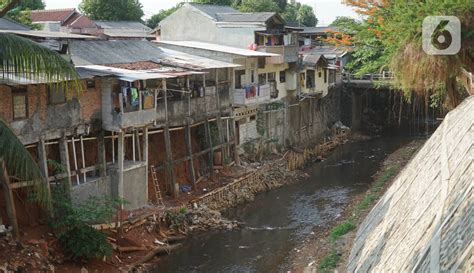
[10,202]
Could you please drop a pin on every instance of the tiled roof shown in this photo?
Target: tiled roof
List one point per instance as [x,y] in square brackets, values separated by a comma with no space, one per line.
[82,22]
[51,15]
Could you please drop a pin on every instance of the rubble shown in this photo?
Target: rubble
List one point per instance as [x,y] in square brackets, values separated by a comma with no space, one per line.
[203,218]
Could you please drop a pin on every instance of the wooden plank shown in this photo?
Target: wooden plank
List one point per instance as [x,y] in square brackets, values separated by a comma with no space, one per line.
[169,165]
[207,130]
[192,174]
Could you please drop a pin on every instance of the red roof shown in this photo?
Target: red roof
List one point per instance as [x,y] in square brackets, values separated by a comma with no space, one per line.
[81,21]
[52,15]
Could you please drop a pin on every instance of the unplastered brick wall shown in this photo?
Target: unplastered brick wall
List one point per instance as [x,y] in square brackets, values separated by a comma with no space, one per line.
[91,102]
[41,114]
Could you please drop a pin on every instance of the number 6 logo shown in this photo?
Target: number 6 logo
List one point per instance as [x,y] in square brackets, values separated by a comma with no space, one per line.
[441,35]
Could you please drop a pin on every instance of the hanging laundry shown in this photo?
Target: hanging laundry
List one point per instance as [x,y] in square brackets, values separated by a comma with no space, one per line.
[134,94]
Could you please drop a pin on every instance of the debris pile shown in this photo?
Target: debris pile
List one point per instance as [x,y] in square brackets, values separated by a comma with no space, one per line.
[203,218]
[30,256]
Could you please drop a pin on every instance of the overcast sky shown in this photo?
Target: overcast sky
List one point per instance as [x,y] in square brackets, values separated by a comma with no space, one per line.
[326,10]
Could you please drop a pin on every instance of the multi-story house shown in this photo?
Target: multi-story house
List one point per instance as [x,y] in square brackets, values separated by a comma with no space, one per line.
[260,42]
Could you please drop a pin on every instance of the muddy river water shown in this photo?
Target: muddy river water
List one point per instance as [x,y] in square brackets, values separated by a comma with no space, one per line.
[278,221]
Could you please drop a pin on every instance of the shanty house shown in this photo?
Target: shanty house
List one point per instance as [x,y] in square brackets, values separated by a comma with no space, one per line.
[155,104]
[316,75]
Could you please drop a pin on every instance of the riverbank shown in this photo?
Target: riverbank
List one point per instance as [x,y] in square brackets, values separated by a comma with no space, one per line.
[153,231]
[329,246]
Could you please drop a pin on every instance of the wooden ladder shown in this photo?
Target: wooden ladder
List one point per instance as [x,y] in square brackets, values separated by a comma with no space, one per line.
[159,198]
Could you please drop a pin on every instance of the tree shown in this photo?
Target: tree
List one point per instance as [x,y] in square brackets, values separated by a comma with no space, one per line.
[112,10]
[157,18]
[346,24]
[21,13]
[306,16]
[300,13]
[258,6]
[393,29]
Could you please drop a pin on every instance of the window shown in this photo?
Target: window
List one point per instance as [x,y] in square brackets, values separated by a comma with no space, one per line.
[238,78]
[90,84]
[282,76]
[325,75]
[271,76]
[262,79]
[252,76]
[20,103]
[56,94]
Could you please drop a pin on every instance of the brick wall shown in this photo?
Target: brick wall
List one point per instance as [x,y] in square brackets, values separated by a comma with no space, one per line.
[91,102]
[42,115]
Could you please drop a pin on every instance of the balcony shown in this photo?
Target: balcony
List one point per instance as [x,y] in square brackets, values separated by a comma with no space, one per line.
[288,53]
[120,111]
[251,95]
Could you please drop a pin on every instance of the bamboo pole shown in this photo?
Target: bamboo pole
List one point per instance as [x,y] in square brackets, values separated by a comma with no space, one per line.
[75,159]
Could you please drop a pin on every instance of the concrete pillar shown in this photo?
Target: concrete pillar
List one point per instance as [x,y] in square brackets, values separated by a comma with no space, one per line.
[43,163]
[64,157]
[169,163]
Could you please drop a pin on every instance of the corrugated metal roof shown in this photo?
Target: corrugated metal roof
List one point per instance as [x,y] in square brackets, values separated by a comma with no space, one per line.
[132,51]
[47,34]
[314,59]
[7,24]
[124,29]
[213,10]
[219,48]
[260,17]
[322,29]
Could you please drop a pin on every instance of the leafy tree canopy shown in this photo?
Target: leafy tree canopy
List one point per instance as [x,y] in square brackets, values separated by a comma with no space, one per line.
[300,13]
[112,10]
[259,6]
[390,37]
[22,12]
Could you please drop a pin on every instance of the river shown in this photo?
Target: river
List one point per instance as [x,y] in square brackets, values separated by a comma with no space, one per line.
[278,221]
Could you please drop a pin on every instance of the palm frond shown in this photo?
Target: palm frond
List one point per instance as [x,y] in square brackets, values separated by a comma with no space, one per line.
[25,58]
[20,163]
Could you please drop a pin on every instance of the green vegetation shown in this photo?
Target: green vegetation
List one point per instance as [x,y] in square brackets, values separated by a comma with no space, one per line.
[123,10]
[366,202]
[341,229]
[71,223]
[21,13]
[329,262]
[390,38]
[176,220]
[162,14]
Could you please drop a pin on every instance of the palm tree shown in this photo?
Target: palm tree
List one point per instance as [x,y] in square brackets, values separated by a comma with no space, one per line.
[20,57]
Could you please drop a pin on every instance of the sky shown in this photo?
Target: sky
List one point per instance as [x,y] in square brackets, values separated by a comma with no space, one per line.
[326,10]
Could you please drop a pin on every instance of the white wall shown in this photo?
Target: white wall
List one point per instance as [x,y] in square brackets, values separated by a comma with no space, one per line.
[189,24]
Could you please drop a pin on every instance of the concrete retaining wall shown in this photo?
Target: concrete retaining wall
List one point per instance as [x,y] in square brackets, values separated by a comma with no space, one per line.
[424,222]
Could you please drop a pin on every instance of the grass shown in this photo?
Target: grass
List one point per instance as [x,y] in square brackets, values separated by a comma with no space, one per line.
[366,202]
[329,262]
[341,229]
[384,178]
